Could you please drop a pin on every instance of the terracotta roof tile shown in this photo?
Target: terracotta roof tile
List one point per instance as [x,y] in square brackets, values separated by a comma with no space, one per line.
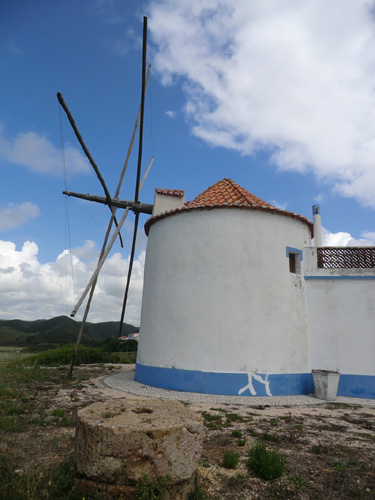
[171,192]
[225,194]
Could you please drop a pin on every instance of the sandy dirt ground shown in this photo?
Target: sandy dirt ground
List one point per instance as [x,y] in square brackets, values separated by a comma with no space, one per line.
[329,449]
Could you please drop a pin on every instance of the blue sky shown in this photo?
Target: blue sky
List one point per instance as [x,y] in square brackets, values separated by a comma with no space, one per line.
[276,95]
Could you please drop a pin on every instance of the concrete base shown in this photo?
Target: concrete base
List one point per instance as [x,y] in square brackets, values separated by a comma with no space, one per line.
[326,383]
[120,442]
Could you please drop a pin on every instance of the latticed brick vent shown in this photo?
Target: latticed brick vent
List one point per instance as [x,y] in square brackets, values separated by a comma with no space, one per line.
[348,257]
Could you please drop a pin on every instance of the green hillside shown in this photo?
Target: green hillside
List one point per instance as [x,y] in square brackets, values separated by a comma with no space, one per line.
[57,331]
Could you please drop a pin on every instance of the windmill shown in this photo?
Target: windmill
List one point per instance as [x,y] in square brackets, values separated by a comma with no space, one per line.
[114,202]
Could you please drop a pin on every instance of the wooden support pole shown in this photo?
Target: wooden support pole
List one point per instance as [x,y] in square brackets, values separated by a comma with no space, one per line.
[144,53]
[130,269]
[143,91]
[109,228]
[107,250]
[87,153]
[144,208]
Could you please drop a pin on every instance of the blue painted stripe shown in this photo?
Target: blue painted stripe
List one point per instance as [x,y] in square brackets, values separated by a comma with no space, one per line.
[294,250]
[357,386]
[229,384]
[345,277]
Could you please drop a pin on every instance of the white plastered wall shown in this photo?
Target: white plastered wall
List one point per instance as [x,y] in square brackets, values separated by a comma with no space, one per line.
[164,202]
[341,317]
[218,295]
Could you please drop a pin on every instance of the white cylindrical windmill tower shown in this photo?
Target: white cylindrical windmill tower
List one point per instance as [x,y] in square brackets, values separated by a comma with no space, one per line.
[224,307]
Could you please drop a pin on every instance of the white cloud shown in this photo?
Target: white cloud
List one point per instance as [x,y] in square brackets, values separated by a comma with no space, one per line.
[319,198]
[170,114]
[88,251]
[279,204]
[38,154]
[294,78]
[14,215]
[32,290]
[342,239]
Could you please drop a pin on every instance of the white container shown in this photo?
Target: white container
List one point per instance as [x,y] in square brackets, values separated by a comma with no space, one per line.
[326,383]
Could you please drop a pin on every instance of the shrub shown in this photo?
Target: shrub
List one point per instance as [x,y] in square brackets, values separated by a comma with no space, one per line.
[197,494]
[63,356]
[237,433]
[266,464]
[230,460]
[57,412]
[153,489]
[269,437]
[298,480]
[213,422]
[113,344]
[318,448]
[59,483]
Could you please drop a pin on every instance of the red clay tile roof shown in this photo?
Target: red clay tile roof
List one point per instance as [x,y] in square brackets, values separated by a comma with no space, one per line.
[226,194]
[170,192]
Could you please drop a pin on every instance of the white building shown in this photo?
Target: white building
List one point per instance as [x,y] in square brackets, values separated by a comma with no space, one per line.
[237,302]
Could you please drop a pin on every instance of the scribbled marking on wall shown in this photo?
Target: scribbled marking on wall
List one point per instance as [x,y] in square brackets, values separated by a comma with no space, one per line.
[250,386]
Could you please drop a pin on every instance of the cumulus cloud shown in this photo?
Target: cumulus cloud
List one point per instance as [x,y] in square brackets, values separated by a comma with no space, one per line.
[342,239]
[15,215]
[37,153]
[295,79]
[32,290]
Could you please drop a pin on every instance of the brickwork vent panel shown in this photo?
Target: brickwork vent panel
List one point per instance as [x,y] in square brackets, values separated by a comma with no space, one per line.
[347,257]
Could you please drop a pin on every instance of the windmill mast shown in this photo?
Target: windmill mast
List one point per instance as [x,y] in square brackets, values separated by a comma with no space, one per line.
[136,195]
[113,203]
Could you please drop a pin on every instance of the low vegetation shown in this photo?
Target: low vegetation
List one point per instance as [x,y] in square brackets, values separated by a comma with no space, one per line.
[230,460]
[288,453]
[266,464]
[63,355]
[150,489]
[260,452]
[58,483]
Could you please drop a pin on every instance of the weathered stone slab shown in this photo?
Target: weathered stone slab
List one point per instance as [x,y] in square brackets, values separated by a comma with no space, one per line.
[120,441]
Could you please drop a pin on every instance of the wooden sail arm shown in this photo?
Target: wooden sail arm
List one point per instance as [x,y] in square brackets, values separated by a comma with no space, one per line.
[108,249]
[136,207]
[87,152]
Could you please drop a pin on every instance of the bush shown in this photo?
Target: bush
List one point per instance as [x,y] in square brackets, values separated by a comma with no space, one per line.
[230,460]
[237,433]
[265,464]
[113,344]
[59,483]
[197,494]
[63,356]
[153,489]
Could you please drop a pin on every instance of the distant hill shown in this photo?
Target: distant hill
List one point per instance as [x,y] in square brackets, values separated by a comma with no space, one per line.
[57,331]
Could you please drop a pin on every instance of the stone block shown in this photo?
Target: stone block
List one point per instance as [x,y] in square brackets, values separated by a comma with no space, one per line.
[119,442]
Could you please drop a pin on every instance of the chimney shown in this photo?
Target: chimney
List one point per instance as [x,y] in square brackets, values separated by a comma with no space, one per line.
[167,200]
[317,226]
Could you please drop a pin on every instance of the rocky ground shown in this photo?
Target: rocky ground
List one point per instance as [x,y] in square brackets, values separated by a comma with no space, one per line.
[329,449]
